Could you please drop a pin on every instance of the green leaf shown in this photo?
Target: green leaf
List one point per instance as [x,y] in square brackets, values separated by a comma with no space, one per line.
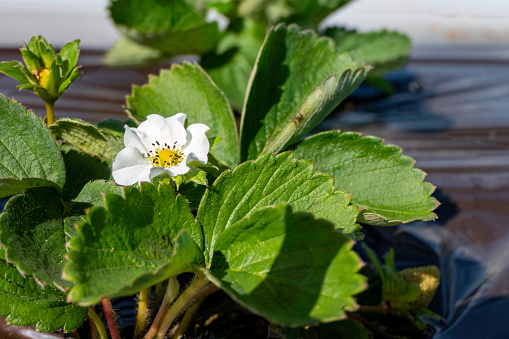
[289,267]
[230,65]
[188,89]
[88,138]
[80,169]
[267,181]
[173,27]
[26,303]
[115,126]
[384,50]
[127,53]
[70,54]
[129,244]
[36,226]
[382,182]
[27,149]
[16,70]
[10,187]
[297,81]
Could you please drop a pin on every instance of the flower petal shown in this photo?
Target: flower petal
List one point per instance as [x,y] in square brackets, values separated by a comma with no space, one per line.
[180,169]
[175,129]
[155,171]
[133,138]
[130,167]
[163,130]
[197,146]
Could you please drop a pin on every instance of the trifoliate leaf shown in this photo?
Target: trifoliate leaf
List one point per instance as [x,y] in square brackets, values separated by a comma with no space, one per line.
[267,181]
[297,81]
[383,50]
[188,89]
[25,303]
[230,65]
[36,226]
[88,138]
[382,182]
[27,151]
[173,27]
[132,243]
[287,266]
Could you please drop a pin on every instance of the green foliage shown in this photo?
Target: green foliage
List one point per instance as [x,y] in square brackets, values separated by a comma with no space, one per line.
[267,181]
[36,226]
[173,27]
[299,79]
[132,243]
[188,89]
[230,65]
[383,50]
[128,53]
[29,155]
[383,183]
[285,266]
[88,138]
[46,73]
[25,303]
[347,328]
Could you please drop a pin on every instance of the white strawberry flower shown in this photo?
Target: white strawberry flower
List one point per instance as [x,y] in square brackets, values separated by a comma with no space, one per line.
[159,145]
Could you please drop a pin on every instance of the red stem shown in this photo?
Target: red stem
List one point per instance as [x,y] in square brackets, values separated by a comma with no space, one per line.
[110,318]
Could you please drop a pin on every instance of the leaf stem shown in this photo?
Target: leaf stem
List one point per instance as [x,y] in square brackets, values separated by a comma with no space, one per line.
[110,318]
[184,323]
[50,112]
[171,293]
[141,318]
[98,323]
[197,291]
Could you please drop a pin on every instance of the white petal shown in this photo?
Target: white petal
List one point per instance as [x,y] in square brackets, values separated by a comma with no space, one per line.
[175,130]
[155,171]
[130,167]
[197,146]
[133,138]
[180,169]
[181,117]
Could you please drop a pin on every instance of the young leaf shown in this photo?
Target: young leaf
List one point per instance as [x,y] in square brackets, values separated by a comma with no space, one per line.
[27,149]
[297,81]
[173,27]
[35,228]
[267,181]
[132,243]
[383,183]
[188,89]
[287,266]
[25,303]
[384,50]
[88,138]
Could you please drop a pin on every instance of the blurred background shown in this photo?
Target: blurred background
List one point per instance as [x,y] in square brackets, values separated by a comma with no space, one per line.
[449,111]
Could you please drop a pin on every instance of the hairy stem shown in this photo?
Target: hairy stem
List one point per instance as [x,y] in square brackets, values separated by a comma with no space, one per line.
[50,113]
[98,323]
[172,290]
[110,318]
[141,318]
[197,291]
[184,323]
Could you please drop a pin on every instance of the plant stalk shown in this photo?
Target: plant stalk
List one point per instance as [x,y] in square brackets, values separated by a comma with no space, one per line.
[184,323]
[197,291]
[110,318]
[171,293]
[141,318]
[50,113]
[98,323]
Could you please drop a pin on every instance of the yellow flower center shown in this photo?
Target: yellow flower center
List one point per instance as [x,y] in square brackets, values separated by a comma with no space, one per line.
[44,77]
[165,156]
